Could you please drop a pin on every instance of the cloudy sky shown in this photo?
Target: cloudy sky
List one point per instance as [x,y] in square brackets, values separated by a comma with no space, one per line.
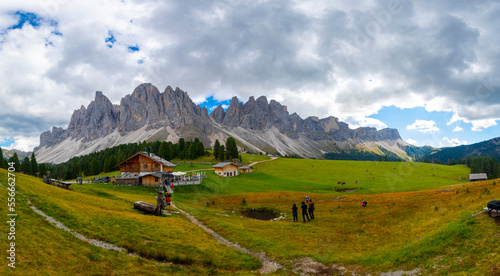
[428,68]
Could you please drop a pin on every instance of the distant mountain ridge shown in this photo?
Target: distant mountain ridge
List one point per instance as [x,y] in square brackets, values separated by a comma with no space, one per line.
[20,154]
[258,126]
[489,148]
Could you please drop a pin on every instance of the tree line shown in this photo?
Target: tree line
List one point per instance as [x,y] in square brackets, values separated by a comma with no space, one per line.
[483,164]
[27,166]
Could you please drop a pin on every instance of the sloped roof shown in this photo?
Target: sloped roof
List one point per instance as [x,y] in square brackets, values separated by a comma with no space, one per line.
[478,176]
[151,156]
[246,167]
[223,164]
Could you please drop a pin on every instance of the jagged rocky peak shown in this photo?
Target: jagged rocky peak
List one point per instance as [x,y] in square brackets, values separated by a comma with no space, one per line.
[255,120]
[145,91]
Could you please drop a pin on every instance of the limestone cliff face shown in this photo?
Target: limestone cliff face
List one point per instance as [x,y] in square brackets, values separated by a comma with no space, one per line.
[257,124]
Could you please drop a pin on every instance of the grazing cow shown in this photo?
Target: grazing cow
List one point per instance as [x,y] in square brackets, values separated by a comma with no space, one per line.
[357,181]
[343,183]
[340,182]
[366,170]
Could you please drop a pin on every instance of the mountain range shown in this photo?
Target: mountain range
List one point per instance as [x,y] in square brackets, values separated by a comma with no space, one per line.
[259,126]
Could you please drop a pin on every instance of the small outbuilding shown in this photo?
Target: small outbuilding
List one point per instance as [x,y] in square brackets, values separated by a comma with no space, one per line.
[477,176]
[246,169]
[225,169]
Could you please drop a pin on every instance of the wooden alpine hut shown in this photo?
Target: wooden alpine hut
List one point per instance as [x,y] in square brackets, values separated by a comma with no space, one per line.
[226,169]
[143,169]
[246,169]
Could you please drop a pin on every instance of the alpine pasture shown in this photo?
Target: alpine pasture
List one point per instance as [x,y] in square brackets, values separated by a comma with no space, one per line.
[418,218]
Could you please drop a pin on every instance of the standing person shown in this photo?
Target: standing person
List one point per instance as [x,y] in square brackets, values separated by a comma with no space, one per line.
[311,209]
[295,213]
[168,197]
[307,199]
[304,212]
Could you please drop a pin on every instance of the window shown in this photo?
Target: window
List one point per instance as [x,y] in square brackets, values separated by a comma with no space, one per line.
[156,179]
[145,166]
[156,166]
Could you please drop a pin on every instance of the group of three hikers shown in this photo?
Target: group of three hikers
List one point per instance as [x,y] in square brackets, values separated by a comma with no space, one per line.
[307,210]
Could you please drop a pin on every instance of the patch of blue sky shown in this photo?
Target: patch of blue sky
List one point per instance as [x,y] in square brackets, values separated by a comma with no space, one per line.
[211,103]
[133,48]
[110,40]
[4,142]
[400,119]
[26,17]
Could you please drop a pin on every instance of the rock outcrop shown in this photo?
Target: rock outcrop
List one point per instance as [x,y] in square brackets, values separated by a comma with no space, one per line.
[258,125]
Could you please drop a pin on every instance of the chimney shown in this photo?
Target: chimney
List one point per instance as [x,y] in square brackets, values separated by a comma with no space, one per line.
[149,151]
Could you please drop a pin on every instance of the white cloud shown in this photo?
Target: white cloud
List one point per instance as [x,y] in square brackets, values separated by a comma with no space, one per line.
[453,142]
[24,143]
[480,125]
[423,126]
[477,125]
[411,141]
[458,129]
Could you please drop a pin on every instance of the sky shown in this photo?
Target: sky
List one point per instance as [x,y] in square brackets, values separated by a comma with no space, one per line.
[428,68]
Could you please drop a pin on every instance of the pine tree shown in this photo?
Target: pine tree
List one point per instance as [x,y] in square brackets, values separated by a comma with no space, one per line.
[386,158]
[15,160]
[95,168]
[231,148]
[181,144]
[3,162]
[216,148]
[26,166]
[221,153]
[163,151]
[34,164]
[42,169]
[200,149]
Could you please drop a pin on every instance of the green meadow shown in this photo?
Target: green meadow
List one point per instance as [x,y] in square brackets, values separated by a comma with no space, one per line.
[418,216]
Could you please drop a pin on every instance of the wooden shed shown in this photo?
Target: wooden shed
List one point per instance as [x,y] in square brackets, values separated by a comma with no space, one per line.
[226,169]
[477,176]
[246,169]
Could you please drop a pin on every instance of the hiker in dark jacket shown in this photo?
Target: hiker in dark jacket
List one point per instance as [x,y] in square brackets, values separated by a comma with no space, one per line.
[295,213]
[304,212]
[311,209]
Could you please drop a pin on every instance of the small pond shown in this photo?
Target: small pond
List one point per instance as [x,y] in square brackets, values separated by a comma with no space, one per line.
[260,214]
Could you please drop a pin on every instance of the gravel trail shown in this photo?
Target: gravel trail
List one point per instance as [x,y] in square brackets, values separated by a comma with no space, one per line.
[98,243]
[268,265]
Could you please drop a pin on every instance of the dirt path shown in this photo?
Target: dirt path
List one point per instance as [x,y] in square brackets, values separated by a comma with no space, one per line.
[257,162]
[98,243]
[268,265]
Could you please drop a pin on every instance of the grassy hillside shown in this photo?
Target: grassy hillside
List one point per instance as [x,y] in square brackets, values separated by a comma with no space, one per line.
[418,216]
[105,212]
